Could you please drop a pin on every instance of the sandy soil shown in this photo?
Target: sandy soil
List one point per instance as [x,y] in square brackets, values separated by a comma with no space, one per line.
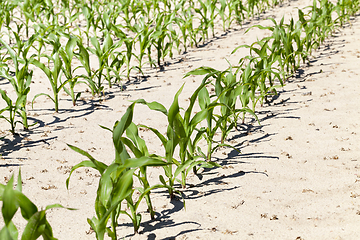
[297,176]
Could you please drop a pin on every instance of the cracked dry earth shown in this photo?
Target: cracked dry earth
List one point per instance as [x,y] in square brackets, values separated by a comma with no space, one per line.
[297,177]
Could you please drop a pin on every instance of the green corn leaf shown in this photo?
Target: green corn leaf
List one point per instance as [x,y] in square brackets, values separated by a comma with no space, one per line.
[99,229]
[179,126]
[174,108]
[162,180]
[6,232]
[70,46]
[93,163]
[98,165]
[9,206]
[108,43]
[198,117]
[182,167]
[35,226]
[133,134]
[42,67]
[204,98]
[41,94]
[106,184]
[19,182]
[122,189]
[82,164]
[96,44]
[201,71]
[10,50]
[202,164]
[56,205]
[26,206]
[138,219]
[106,128]
[136,151]
[119,129]
[143,161]
[157,133]
[193,98]
[153,106]
[2,189]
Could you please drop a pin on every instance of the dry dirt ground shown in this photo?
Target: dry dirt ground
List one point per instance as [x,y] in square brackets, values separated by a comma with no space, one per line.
[297,176]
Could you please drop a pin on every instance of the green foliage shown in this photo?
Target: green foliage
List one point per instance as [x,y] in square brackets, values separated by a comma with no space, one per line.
[21,81]
[53,74]
[13,199]
[119,32]
[116,181]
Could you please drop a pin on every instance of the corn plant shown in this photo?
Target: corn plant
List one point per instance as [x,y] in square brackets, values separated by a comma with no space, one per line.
[6,11]
[116,181]
[221,12]
[13,199]
[239,9]
[206,21]
[227,89]
[53,74]
[180,133]
[23,76]
[162,38]
[103,53]
[322,15]
[342,7]
[186,24]
[12,108]
[128,53]
[263,61]
[89,16]
[67,55]
[69,11]
[27,10]
[143,37]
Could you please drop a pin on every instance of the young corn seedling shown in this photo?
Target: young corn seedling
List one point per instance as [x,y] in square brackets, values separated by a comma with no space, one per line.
[89,15]
[324,24]
[13,199]
[221,12]
[67,56]
[83,56]
[227,90]
[22,79]
[6,11]
[70,11]
[161,38]
[103,54]
[188,30]
[183,28]
[263,68]
[116,181]
[128,53]
[239,9]
[13,109]
[282,45]
[26,11]
[43,32]
[206,21]
[144,38]
[179,134]
[53,74]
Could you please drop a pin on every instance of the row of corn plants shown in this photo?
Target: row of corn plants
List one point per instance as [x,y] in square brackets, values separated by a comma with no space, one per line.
[120,34]
[271,61]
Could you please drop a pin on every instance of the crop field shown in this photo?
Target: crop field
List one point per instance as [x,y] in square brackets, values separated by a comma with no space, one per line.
[179,119]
